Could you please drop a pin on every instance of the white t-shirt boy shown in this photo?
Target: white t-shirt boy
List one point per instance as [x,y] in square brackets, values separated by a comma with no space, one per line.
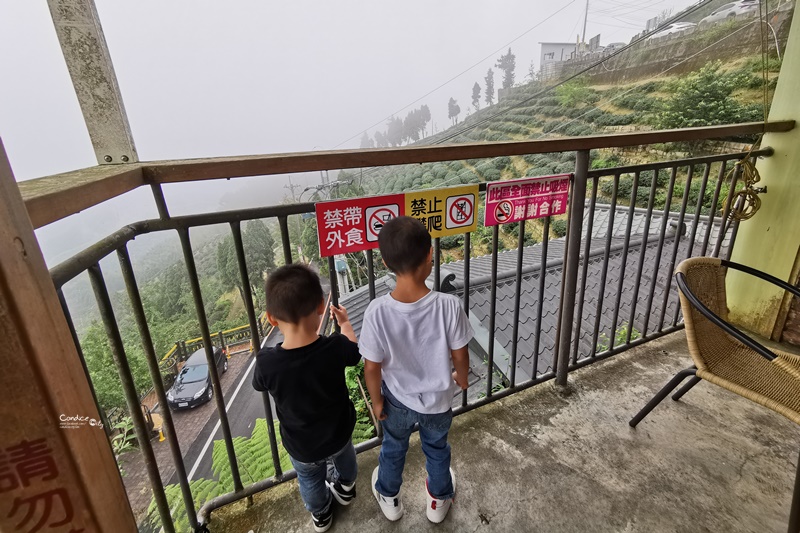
[412,342]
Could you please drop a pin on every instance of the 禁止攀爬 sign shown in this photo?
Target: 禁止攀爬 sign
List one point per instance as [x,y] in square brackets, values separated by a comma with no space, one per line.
[445,211]
[523,199]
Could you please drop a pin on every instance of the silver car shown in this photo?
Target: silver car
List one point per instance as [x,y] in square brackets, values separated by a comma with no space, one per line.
[730,11]
[675,27]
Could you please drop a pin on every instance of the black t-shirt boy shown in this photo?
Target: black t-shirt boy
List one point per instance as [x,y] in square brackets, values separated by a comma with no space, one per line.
[308,384]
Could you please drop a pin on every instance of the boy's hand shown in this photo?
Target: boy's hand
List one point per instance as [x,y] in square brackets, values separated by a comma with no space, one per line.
[377,409]
[464,384]
[340,314]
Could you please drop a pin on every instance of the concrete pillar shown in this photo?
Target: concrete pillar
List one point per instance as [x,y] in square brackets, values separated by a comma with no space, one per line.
[57,472]
[770,241]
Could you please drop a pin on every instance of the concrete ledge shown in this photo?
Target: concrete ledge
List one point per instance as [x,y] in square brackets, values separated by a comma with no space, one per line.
[555,461]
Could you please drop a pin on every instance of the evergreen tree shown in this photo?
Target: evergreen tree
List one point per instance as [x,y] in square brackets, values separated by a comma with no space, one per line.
[259,248]
[476,96]
[453,110]
[380,140]
[366,141]
[489,80]
[507,63]
[425,117]
[394,131]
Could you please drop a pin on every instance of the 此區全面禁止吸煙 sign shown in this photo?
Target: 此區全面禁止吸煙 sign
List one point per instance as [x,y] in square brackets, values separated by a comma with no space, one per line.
[523,199]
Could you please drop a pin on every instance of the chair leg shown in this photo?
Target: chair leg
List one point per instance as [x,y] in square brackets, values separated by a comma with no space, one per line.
[794,515]
[663,393]
[686,388]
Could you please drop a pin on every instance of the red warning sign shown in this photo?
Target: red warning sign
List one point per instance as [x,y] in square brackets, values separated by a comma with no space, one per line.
[352,225]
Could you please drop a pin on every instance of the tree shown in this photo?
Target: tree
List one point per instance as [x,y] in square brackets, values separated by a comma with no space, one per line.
[227,265]
[705,99]
[380,140]
[425,117]
[366,141]
[453,110]
[259,248]
[394,131]
[476,96]
[489,80]
[507,63]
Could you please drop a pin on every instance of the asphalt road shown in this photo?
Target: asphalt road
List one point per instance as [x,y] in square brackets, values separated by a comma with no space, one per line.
[244,405]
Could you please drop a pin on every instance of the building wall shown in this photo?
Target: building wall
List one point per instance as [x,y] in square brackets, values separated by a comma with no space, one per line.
[770,241]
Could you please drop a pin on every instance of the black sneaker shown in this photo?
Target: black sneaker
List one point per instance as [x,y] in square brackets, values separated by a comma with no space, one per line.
[322,522]
[344,494]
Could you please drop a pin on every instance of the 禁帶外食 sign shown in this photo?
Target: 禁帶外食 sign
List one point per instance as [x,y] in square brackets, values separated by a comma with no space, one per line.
[523,199]
[353,225]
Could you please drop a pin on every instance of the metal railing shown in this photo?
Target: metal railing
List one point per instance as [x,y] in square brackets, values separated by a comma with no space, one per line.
[651,252]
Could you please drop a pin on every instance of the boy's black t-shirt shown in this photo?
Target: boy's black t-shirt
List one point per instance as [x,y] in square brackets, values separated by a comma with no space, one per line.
[308,384]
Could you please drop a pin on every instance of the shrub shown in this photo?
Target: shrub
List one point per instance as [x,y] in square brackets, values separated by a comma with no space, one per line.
[611,119]
[559,227]
[450,242]
[502,162]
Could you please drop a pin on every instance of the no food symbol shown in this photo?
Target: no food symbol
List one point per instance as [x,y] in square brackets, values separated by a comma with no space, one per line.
[460,211]
[378,216]
[503,211]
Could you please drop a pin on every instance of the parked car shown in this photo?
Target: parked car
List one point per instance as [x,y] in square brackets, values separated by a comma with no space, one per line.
[730,11]
[193,387]
[675,27]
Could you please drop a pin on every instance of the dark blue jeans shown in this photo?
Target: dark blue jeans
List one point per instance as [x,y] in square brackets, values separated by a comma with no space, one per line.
[397,429]
[311,477]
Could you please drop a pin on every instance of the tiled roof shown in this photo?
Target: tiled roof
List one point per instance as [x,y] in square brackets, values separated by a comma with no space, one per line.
[652,280]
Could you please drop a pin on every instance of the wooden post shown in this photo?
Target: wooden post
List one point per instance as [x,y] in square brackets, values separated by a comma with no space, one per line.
[55,459]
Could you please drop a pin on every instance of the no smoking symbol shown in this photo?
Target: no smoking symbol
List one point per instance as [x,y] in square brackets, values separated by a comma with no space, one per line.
[460,211]
[503,211]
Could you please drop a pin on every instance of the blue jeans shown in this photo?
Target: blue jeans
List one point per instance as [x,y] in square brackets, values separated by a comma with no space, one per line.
[397,428]
[311,477]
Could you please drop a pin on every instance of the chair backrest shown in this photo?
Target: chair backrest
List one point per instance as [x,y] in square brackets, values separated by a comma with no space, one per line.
[705,278]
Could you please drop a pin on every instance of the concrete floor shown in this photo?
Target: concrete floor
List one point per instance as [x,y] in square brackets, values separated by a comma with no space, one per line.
[548,461]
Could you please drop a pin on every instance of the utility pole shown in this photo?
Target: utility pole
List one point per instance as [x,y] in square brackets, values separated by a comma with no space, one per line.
[291,188]
[585,18]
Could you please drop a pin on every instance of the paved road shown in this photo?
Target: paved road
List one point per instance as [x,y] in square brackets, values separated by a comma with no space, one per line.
[244,405]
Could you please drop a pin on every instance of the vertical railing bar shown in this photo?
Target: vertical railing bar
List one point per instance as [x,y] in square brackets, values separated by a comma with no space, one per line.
[584,271]
[577,205]
[676,245]
[74,334]
[735,231]
[131,398]
[283,222]
[437,261]
[492,310]
[371,273]
[517,296]
[660,248]
[624,258]
[467,253]
[606,257]
[334,288]
[241,259]
[197,295]
[642,254]
[540,303]
[712,214]
[161,202]
[723,225]
[158,385]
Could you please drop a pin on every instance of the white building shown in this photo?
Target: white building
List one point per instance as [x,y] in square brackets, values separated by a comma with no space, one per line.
[552,54]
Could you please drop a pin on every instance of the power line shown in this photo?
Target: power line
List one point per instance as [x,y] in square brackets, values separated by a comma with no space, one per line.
[458,75]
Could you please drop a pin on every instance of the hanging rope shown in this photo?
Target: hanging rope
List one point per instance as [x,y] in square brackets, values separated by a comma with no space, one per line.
[746,203]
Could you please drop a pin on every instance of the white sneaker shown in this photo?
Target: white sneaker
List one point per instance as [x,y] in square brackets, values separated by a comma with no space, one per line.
[437,509]
[392,507]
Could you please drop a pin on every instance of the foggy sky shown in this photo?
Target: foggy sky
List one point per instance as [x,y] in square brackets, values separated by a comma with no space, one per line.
[203,78]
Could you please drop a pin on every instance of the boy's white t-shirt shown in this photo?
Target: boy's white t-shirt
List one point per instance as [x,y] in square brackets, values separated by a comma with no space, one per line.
[412,342]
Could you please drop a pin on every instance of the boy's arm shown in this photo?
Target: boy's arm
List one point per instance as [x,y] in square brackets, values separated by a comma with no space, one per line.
[460,359]
[340,314]
[372,375]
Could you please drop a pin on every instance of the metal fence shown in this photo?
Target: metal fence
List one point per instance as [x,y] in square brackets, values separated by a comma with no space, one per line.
[629,263]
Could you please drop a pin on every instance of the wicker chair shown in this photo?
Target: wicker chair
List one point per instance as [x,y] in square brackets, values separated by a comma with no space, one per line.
[726,356]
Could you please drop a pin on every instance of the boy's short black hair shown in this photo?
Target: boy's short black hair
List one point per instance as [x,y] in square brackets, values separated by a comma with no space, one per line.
[293,292]
[404,243]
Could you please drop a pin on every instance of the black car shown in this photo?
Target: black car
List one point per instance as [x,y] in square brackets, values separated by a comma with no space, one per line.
[193,384]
